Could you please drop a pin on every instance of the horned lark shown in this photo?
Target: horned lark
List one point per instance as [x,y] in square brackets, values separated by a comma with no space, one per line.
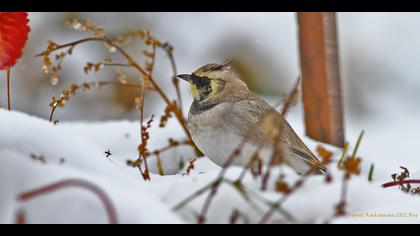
[225,115]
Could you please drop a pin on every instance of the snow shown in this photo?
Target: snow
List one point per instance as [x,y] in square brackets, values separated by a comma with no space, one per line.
[82,145]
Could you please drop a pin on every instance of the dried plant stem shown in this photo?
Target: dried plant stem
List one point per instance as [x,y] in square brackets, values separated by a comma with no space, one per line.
[242,191]
[247,167]
[143,142]
[207,203]
[70,45]
[112,215]
[53,109]
[219,180]
[280,210]
[146,80]
[116,64]
[8,90]
[398,183]
[340,208]
[169,147]
[143,129]
[277,154]
[250,163]
[291,98]
[343,155]
[175,81]
[298,184]
[177,111]
[97,84]
[131,62]
[193,196]
[160,166]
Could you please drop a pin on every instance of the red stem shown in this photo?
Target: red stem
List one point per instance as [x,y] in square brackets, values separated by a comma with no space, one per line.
[397,183]
[112,216]
[8,89]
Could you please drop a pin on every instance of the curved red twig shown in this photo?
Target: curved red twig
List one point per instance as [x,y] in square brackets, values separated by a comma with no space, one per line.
[397,183]
[74,183]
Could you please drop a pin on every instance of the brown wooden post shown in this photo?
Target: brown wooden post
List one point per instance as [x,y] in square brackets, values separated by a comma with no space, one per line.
[321,77]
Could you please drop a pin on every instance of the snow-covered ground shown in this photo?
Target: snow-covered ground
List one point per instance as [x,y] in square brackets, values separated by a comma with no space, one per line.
[82,146]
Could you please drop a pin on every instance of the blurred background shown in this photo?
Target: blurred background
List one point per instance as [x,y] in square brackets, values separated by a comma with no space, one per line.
[378,53]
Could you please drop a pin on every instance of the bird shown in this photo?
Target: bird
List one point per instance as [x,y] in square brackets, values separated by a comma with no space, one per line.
[225,118]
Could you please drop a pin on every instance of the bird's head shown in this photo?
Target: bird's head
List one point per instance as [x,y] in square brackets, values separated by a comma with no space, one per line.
[215,83]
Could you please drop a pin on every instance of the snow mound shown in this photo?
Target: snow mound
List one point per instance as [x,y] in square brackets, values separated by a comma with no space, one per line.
[76,151]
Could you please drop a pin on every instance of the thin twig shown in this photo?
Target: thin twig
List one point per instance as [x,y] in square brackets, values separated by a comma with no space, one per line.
[169,147]
[96,84]
[190,198]
[248,166]
[168,48]
[291,97]
[280,210]
[112,215]
[8,89]
[71,45]
[117,64]
[298,184]
[340,208]
[343,154]
[143,128]
[398,183]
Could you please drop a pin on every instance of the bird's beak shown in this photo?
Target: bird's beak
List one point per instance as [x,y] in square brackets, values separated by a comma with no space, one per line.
[185,77]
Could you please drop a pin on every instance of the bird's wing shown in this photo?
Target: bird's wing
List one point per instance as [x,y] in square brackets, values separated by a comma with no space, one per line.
[245,117]
[248,118]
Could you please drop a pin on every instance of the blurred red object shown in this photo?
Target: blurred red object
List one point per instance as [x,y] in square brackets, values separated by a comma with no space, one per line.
[14,32]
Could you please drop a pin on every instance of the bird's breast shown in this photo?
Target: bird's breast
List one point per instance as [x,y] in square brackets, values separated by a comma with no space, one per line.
[217,140]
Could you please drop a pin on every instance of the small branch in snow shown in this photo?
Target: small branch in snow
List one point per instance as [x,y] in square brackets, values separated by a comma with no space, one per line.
[297,185]
[169,52]
[112,215]
[403,182]
[398,183]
